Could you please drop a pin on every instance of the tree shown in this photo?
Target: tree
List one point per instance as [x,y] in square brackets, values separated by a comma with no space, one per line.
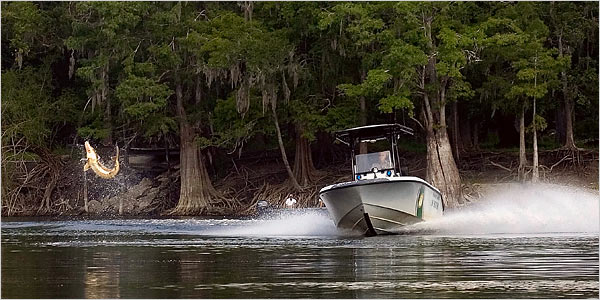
[174,63]
[254,59]
[33,109]
[536,69]
[435,45]
[312,90]
[501,50]
[211,75]
[354,30]
[518,68]
[570,26]
[101,39]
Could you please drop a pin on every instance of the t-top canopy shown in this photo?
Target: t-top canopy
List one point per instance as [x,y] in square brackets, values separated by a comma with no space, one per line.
[371,132]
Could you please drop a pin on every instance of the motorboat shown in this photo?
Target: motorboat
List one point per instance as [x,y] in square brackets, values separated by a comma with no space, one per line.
[379,199]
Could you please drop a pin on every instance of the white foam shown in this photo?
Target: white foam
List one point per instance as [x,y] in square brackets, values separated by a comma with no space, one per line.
[523,208]
[287,223]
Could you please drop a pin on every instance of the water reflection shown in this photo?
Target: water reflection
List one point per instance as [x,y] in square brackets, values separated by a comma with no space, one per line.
[439,267]
[53,262]
[102,274]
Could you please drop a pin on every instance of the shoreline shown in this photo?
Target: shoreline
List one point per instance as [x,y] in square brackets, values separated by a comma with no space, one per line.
[153,195]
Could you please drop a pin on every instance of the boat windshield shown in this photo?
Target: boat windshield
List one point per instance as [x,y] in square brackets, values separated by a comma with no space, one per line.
[380,160]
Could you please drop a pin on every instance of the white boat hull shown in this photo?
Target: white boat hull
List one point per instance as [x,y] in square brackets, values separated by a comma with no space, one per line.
[383,205]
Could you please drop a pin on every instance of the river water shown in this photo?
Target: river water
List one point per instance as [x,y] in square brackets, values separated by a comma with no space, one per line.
[536,243]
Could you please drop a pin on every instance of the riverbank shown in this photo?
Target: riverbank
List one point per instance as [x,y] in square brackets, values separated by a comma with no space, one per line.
[152,193]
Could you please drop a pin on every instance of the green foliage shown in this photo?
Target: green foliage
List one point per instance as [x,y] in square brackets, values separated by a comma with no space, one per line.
[372,86]
[535,72]
[547,142]
[518,64]
[142,96]
[342,117]
[67,107]
[402,59]
[354,20]
[164,56]
[105,40]
[311,121]
[231,131]
[228,38]
[450,47]
[27,106]
[397,101]
[26,25]
[540,124]
[96,130]
[159,125]
[460,90]
[320,58]
[231,39]
[103,25]
[321,66]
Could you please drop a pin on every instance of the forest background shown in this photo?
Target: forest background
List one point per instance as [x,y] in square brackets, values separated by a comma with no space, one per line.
[247,96]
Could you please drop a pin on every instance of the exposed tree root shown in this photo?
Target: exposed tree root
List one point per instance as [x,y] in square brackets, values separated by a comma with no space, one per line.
[500,166]
[276,194]
[221,201]
[573,155]
[28,184]
[471,192]
[572,148]
[217,204]
[261,179]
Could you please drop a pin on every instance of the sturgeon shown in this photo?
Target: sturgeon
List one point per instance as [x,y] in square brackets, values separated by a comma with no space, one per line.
[93,162]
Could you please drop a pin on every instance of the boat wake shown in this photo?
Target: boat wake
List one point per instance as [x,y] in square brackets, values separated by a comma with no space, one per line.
[516,209]
[282,223]
[293,226]
[521,209]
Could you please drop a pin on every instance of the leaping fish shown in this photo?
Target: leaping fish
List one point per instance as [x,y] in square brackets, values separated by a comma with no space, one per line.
[93,162]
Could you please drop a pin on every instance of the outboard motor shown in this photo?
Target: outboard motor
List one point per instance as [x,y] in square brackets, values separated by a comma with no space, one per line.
[262,206]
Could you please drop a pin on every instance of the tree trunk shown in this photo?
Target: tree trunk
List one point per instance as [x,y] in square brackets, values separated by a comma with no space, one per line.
[85,193]
[568,102]
[522,153]
[54,167]
[465,132]
[106,100]
[96,98]
[456,142]
[248,7]
[569,139]
[120,206]
[560,123]
[362,147]
[476,136]
[196,188]
[304,169]
[535,175]
[49,189]
[283,155]
[168,160]
[441,167]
